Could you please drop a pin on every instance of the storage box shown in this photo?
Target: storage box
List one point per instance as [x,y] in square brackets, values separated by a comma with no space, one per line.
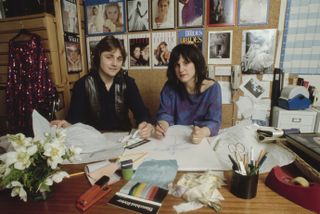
[302,119]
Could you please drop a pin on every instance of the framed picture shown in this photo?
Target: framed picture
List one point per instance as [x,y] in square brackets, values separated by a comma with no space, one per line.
[104,17]
[163,14]
[221,12]
[258,48]
[253,12]
[92,41]
[162,44]
[73,53]
[138,15]
[140,51]
[190,13]
[70,16]
[192,36]
[220,47]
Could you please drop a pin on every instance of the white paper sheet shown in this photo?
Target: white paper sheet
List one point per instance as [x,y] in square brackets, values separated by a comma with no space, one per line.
[177,145]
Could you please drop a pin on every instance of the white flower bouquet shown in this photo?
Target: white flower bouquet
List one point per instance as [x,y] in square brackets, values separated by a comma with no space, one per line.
[32,166]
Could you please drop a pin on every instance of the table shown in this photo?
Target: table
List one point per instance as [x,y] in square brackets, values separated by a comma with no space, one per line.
[62,200]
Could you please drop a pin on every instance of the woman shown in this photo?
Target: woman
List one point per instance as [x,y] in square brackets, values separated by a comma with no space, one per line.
[162,53]
[189,97]
[103,97]
[161,20]
[113,18]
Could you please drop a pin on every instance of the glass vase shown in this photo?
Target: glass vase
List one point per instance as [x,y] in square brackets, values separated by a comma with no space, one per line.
[38,196]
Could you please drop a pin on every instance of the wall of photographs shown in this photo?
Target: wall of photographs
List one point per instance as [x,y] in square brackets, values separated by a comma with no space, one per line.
[229,32]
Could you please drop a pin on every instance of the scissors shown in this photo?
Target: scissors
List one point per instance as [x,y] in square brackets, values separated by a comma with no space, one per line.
[237,149]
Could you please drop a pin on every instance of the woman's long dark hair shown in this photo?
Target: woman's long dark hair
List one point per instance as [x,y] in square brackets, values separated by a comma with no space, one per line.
[190,53]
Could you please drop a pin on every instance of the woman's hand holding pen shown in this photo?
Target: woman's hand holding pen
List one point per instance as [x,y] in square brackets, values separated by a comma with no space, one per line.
[161,128]
[199,133]
[145,129]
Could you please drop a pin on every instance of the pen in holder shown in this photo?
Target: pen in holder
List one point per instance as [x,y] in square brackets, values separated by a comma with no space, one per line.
[244,186]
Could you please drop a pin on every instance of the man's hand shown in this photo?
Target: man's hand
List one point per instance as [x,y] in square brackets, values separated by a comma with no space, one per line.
[60,123]
[145,130]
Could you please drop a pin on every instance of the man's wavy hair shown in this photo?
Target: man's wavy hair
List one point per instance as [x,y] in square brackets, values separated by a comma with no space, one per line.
[108,43]
[190,53]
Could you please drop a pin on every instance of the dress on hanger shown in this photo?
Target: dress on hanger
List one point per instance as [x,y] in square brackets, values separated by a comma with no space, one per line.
[28,85]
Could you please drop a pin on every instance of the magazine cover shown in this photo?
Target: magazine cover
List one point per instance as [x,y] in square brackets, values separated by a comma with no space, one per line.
[73,53]
[70,16]
[258,48]
[190,13]
[221,12]
[138,15]
[139,51]
[162,44]
[103,17]
[163,14]
[192,36]
[220,47]
[92,41]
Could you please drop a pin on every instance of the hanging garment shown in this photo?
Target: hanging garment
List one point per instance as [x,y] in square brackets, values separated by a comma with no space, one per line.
[29,85]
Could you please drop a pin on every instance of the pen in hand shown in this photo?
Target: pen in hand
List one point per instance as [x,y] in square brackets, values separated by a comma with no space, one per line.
[162,130]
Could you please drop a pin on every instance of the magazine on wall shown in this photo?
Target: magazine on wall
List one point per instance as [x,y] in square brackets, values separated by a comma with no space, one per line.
[73,53]
[104,17]
[163,14]
[190,13]
[138,15]
[192,36]
[162,44]
[219,47]
[70,16]
[221,12]
[92,41]
[139,51]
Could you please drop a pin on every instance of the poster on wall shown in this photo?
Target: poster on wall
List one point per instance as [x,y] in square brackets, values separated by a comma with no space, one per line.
[163,14]
[70,16]
[220,47]
[253,12]
[221,12]
[104,17]
[140,51]
[190,13]
[92,42]
[192,36]
[73,53]
[162,44]
[138,15]
[257,52]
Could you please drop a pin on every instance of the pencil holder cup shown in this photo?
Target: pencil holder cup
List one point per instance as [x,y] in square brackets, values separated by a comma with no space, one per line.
[244,186]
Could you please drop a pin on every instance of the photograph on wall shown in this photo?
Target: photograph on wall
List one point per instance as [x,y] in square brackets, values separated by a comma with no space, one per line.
[252,88]
[253,12]
[92,41]
[220,47]
[138,15]
[221,12]
[190,13]
[258,50]
[70,16]
[73,53]
[140,51]
[163,14]
[192,36]
[162,44]
[105,17]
